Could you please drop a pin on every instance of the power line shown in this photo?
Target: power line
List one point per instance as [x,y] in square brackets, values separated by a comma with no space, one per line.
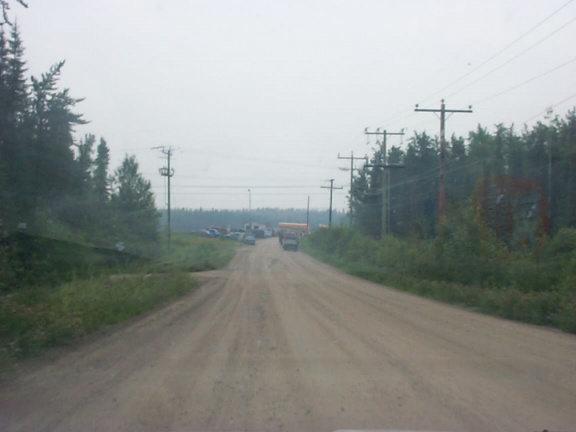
[492,57]
[526,82]
[406,112]
[278,161]
[244,187]
[513,58]
[550,107]
[235,194]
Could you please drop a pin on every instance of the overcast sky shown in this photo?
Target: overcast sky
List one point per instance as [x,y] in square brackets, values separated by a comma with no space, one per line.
[256,94]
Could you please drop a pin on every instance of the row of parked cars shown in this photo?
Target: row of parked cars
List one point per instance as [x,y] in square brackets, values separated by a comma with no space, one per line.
[246,238]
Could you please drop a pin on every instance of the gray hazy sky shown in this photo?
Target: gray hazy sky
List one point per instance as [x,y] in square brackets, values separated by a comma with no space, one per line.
[264,93]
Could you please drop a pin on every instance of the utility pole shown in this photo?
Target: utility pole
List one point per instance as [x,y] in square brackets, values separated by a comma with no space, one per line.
[442,177]
[549,145]
[384,155]
[331,187]
[250,209]
[387,208]
[308,216]
[168,172]
[352,159]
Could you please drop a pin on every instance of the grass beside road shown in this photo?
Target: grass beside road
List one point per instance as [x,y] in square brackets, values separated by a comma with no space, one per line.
[37,317]
[537,290]
[191,253]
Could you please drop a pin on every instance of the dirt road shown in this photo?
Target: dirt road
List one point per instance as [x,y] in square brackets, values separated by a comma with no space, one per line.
[279,341]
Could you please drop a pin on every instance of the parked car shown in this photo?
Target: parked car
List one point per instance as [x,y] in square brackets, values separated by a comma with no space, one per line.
[233,235]
[214,232]
[249,239]
[202,233]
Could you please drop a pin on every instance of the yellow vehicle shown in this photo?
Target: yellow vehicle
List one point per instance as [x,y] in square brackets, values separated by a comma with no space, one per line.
[300,228]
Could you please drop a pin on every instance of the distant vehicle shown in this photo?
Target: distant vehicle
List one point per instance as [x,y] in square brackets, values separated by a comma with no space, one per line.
[254,226]
[268,233]
[290,240]
[249,239]
[300,228]
[258,233]
[233,235]
[202,233]
[214,232]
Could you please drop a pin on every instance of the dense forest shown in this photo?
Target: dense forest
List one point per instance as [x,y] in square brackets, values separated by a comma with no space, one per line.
[53,186]
[520,184]
[190,220]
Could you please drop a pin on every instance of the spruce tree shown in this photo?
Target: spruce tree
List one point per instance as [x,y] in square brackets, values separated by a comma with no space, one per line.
[100,174]
[133,204]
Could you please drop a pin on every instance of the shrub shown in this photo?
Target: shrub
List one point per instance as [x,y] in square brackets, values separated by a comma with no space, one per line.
[468,267]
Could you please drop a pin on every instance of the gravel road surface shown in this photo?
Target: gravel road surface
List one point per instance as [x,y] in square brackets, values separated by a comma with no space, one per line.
[279,341]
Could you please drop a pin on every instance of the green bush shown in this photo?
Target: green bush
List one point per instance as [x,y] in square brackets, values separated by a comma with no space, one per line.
[36,318]
[468,267]
[191,253]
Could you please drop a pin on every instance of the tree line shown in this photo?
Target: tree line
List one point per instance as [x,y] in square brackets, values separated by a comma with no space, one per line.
[518,183]
[194,219]
[52,185]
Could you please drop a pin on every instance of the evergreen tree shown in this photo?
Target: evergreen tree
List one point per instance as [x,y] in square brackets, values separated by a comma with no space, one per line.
[100,174]
[54,173]
[85,163]
[13,135]
[133,204]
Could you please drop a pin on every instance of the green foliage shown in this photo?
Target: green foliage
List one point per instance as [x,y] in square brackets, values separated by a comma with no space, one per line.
[100,179]
[36,318]
[52,187]
[132,201]
[191,253]
[42,316]
[543,158]
[469,267]
[27,260]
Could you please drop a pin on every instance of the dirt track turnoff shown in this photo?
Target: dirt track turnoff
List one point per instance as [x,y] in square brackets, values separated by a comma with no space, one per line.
[279,341]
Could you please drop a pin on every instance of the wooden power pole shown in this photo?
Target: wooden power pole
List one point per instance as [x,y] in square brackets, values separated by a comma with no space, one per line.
[168,172]
[352,159]
[442,176]
[331,187]
[383,164]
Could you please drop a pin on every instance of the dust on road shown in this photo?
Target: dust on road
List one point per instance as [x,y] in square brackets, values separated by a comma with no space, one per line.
[279,341]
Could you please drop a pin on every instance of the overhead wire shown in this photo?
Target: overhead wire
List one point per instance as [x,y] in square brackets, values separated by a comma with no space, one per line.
[408,112]
[260,194]
[531,47]
[492,57]
[550,107]
[245,187]
[549,71]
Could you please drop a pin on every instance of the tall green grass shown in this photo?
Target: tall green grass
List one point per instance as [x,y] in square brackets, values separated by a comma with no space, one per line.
[466,268]
[35,317]
[192,253]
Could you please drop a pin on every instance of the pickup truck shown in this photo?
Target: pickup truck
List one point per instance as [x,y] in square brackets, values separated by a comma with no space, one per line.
[290,241]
